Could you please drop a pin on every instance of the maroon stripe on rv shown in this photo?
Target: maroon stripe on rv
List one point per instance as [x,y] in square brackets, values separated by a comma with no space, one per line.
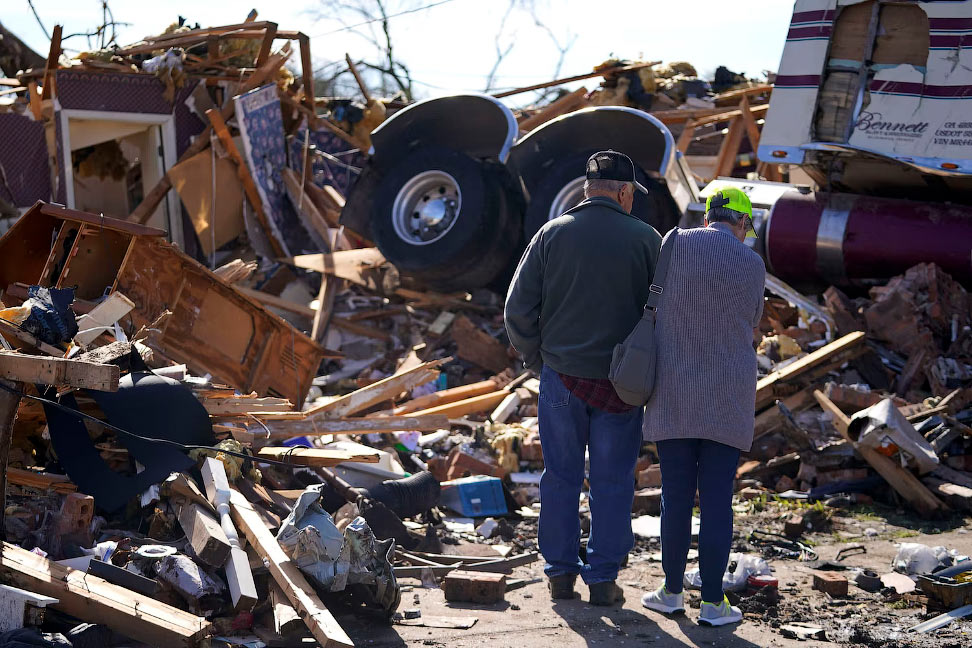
[950,23]
[784,80]
[819,31]
[951,40]
[812,16]
[904,87]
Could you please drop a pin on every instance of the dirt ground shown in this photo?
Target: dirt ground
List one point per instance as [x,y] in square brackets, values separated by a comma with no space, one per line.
[529,618]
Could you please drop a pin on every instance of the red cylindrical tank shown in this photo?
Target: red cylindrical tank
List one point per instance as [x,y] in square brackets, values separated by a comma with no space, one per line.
[846,239]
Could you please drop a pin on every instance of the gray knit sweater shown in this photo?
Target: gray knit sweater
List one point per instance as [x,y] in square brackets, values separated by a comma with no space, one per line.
[705,384]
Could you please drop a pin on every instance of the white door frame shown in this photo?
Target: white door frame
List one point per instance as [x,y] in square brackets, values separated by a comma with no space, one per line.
[172,206]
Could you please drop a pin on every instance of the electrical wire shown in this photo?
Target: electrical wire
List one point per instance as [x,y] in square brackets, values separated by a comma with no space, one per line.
[388,17]
[118,430]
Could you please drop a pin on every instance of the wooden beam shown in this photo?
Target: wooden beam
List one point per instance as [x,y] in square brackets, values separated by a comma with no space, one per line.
[686,136]
[838,351]
[9,330]
[268,36]
[749,122]
[40,480]
[317,426]
[243,172]
[95,600]
[241,405]
[770,420]
[306,71]
[9,404]
[50,68]
[567,103]
[462,408]
[317,457]
[321,623]
[358,79]
[900,479]
[306,209]
[614,71]
[357,266]
[383,390]
[146,208]
[205,535]
[446,396]
[58,371]
[286,621]
[726,160]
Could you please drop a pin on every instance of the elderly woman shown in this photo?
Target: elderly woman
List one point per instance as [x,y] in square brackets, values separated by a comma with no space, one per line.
[701,413]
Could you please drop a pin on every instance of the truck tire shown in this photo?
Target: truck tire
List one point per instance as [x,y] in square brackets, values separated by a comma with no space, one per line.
[563,188]
[438,215]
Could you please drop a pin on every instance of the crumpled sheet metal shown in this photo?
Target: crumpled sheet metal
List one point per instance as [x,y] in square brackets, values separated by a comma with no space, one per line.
[883,424]
[353,562]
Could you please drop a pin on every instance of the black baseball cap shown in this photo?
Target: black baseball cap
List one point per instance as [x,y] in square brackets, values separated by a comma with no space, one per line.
[611,165]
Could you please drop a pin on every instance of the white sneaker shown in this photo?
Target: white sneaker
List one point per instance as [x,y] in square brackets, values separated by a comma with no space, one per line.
[661,600]
[719,615]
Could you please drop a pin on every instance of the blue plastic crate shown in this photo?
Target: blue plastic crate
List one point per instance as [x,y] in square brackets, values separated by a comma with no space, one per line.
[478,496]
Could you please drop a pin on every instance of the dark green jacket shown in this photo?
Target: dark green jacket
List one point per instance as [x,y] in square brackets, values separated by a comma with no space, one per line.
[580,288]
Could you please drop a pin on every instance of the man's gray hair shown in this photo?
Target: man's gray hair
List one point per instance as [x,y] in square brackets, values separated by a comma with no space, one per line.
[598,187]
[723,215]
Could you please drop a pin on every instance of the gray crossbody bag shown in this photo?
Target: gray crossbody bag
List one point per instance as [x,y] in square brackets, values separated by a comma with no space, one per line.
[633,363]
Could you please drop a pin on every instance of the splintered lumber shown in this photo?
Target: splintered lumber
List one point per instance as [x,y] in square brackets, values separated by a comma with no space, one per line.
[240,405]
[508,406]
[321,623]
[318,426]
[41,480]
[306,209]
[365,267]
[262,74]
[383,390]
[316,457]
[606,72]
[567,103]
[286,621]
[772,418]
[10,330]
[958,497]
[811,366]
[102,317]
[447,396]
[205,535]
[238,574]
[462,408]
[900,479]
[478,346]
[95,600]
[58,371]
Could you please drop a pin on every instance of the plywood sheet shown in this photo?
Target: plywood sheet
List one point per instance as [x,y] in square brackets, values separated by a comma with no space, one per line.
[193,179]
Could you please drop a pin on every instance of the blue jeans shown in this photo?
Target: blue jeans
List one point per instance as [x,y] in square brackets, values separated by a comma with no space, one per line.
[710,466]
[567,426]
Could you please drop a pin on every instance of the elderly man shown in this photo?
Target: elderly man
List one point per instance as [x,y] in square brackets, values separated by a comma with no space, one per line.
[701,413]
[579,290]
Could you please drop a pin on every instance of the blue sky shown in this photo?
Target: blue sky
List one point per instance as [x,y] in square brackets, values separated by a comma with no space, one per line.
[451,47]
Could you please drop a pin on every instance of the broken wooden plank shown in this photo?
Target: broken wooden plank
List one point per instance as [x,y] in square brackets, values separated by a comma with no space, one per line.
[40,480]
[95,600]
[9,404]
[383,390]
[446,396]
[958,497]
[318,426]
[321,623]
[479,347]
[508,405]
[772,418]
[462,408]
[240,405]
[58,371]
[317,457]
[835,353]
[365,267]
[102,317]
[306,209]
[286,621]
[900,479]
[9,330]
[568,103]
[205,535]
[238,574]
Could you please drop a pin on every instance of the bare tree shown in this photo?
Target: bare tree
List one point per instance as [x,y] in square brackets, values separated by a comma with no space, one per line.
[502,51]
[104,35]
[371,20]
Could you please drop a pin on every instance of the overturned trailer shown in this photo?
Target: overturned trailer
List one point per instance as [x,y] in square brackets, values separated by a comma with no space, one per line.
[451,191]
[873,101]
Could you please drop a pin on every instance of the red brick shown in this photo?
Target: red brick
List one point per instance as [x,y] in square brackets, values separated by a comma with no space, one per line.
[474,587]
[530,448]
[831,583]
[462,464]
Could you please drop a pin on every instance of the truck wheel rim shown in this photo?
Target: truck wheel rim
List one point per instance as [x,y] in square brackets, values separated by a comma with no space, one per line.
[426,207]
[569,196]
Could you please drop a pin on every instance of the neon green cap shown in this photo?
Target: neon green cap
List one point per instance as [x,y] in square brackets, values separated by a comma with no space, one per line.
[736,200]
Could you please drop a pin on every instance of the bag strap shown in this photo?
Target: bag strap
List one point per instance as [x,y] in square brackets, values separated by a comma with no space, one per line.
[661,270]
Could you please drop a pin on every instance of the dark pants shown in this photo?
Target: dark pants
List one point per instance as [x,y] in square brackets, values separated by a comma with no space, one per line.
[568,426]
[687,464]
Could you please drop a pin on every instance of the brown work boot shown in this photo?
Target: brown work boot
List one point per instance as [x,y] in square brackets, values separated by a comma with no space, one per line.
[606,593]
[562,587]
